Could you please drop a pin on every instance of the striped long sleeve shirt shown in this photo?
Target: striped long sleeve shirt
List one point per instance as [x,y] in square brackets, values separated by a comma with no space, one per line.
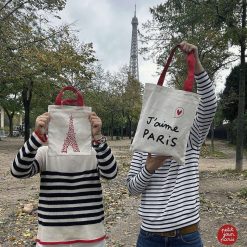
[170,196]
[70,202]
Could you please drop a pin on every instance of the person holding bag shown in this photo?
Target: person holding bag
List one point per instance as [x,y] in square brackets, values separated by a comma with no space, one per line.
[169,190]
[70,207]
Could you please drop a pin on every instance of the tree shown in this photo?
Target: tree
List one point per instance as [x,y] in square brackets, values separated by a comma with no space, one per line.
[229,96]
[117,100]
[20,29]
[229,102]
[56,65]
[17,20]
[100,97]
[215,25]
[38,58]
[11,104]
[132,103]
[175,21]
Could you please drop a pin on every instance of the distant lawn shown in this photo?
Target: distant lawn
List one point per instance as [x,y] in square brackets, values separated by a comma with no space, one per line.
[228,173]
[206,152]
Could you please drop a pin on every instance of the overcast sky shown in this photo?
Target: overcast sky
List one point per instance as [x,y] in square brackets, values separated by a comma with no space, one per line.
[107,24]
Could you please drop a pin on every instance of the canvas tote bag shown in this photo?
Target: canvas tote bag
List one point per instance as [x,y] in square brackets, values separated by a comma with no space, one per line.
[69,127]
[167,115]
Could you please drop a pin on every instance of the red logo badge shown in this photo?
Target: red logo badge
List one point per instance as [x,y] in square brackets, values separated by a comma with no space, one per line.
[227,235]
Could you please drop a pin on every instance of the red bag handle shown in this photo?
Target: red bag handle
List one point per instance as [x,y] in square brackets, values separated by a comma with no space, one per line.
[190,60]
[78,101]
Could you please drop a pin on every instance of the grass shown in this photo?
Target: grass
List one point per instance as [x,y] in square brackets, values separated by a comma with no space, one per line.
[245,174]
[227,173]
[230,172]
[207,152]
[243,193]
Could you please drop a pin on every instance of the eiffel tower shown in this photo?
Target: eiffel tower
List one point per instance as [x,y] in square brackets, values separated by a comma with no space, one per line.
[70,139]
[133,67]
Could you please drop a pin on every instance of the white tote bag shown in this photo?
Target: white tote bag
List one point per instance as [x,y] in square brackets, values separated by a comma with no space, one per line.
[69,127]
[167,116]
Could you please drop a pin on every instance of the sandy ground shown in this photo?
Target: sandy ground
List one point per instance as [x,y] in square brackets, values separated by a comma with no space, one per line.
[219,203]
[219,191]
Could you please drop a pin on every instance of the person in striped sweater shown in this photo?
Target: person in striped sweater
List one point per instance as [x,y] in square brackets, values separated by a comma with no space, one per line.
[70,211]
[170,201]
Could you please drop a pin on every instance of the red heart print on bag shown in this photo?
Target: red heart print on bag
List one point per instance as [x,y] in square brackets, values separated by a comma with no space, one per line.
[179,112]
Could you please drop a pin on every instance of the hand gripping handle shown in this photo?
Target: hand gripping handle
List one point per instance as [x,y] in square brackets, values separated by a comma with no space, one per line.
[190,60]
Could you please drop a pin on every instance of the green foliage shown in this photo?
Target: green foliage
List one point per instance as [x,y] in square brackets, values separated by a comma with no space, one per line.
[116,98]
[232,131]
[36,60]
[245,173]
[132,99]
[210,25]
[219,115]
[243,193]
[229,97]
[206,152]
[226,173]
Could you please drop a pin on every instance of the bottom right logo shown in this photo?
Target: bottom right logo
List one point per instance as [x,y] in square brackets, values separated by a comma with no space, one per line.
[227,234]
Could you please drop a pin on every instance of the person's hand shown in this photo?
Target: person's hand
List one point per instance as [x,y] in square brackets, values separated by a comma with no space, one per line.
[96,124]
[187,48]
[41,124]
[155,162]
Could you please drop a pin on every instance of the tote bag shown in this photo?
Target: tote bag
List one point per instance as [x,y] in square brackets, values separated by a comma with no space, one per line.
[167,115]
[69,135]
[69,128]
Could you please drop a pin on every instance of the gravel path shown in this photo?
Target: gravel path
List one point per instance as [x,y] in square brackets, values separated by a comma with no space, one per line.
[220,204]
[219,189]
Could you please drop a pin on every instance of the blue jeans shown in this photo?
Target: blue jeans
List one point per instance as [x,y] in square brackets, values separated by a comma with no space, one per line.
[149,239]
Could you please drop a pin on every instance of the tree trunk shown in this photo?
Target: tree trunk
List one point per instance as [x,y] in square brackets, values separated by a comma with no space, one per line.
[122,125]
[26,119]
[212,137]
[130,127]
[10,117]
[11,125]
[112,126]
[241,103]
[26,99]
[122,132]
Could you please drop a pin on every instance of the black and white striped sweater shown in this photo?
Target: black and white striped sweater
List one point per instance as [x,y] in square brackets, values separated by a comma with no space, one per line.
[70,201]
[170,196]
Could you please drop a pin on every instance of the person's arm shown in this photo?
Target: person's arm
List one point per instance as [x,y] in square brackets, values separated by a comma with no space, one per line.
[138,177]
[30,158]
[106,161]
[208,104]
[206,110]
